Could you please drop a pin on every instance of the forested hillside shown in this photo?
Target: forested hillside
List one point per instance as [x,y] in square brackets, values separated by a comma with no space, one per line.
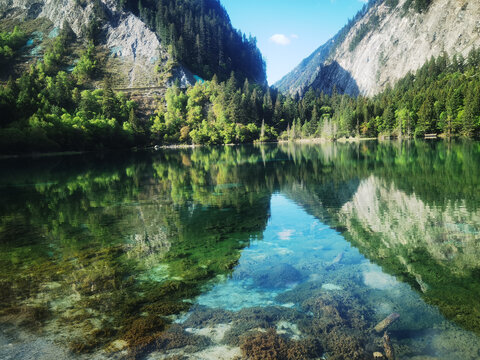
[58,73]
[47,110]
[56,106]
[201,37]
[441,97]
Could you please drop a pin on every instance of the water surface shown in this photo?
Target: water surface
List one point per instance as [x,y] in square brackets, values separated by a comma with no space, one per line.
[287,252]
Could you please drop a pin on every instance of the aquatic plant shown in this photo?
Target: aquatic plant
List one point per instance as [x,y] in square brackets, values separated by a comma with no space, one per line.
[175,337]
[271,346]
[140,333]
[340,322]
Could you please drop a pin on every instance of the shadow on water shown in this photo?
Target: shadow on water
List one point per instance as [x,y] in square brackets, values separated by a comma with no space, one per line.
[113,251]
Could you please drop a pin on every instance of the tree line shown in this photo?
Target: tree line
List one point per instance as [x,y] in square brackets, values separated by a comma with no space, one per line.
[50,109]
[441,97]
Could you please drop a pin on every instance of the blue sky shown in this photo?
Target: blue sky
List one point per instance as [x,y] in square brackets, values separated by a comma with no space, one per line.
[288,31]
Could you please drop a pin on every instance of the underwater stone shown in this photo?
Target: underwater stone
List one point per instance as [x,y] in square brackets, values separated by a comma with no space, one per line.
[331,287]
[277,276]
[217,352]
[117,345]
[203,316]
[289,329]
[377,280]
[337,260]
[251,320]
[215,333]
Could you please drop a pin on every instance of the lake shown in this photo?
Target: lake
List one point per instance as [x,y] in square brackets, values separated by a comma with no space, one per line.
[288,251]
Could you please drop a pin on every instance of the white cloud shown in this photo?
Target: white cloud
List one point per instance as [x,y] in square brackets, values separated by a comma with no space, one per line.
[285,234]
[280,39]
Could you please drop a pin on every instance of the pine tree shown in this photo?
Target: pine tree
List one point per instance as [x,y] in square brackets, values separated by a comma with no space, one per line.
[108,100]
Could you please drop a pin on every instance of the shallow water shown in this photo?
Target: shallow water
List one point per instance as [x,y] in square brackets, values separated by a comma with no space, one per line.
[287,252]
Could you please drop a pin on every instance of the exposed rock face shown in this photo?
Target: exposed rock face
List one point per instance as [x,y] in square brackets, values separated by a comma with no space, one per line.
[402,41]
[55,10]
[134,50]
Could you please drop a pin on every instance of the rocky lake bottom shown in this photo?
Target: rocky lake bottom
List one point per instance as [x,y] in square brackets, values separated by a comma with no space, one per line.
[236,261]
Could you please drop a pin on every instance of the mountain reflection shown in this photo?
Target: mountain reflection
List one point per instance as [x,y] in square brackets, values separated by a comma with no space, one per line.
[111,247]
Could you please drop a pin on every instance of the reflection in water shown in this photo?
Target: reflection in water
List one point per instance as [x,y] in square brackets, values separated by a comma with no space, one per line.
[434,248]
[292,250]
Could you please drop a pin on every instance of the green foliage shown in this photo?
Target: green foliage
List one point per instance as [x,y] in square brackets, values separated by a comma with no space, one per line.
[44,111]
[10,43]
[359,35]
[47,109]
[391,3]
[66,33]
[214,113]
[441,97]
[363,30]
[52,59]
[87,65]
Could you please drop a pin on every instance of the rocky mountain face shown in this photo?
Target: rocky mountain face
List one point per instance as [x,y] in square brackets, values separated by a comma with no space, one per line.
[133,50]
[386,42]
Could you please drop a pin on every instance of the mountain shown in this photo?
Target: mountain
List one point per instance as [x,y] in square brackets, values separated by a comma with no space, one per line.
[96,74]
[131,50]
[142,43]
[201,36]
[384,42]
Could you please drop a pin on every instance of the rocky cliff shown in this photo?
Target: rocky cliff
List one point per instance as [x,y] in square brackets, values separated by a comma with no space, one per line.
[386,42]
[132,50]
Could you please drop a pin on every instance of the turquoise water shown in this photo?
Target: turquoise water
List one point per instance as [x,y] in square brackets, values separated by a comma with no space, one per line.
[54,33]
[295,249]
[260,252]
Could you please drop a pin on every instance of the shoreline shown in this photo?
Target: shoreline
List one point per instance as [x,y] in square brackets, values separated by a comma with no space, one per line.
[192,146]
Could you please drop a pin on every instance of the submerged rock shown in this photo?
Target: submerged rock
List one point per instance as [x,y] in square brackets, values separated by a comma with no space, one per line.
[117,345]
[331,287]
[277,276]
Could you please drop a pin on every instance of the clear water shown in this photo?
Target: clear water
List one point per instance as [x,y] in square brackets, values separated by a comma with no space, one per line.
[260,252]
